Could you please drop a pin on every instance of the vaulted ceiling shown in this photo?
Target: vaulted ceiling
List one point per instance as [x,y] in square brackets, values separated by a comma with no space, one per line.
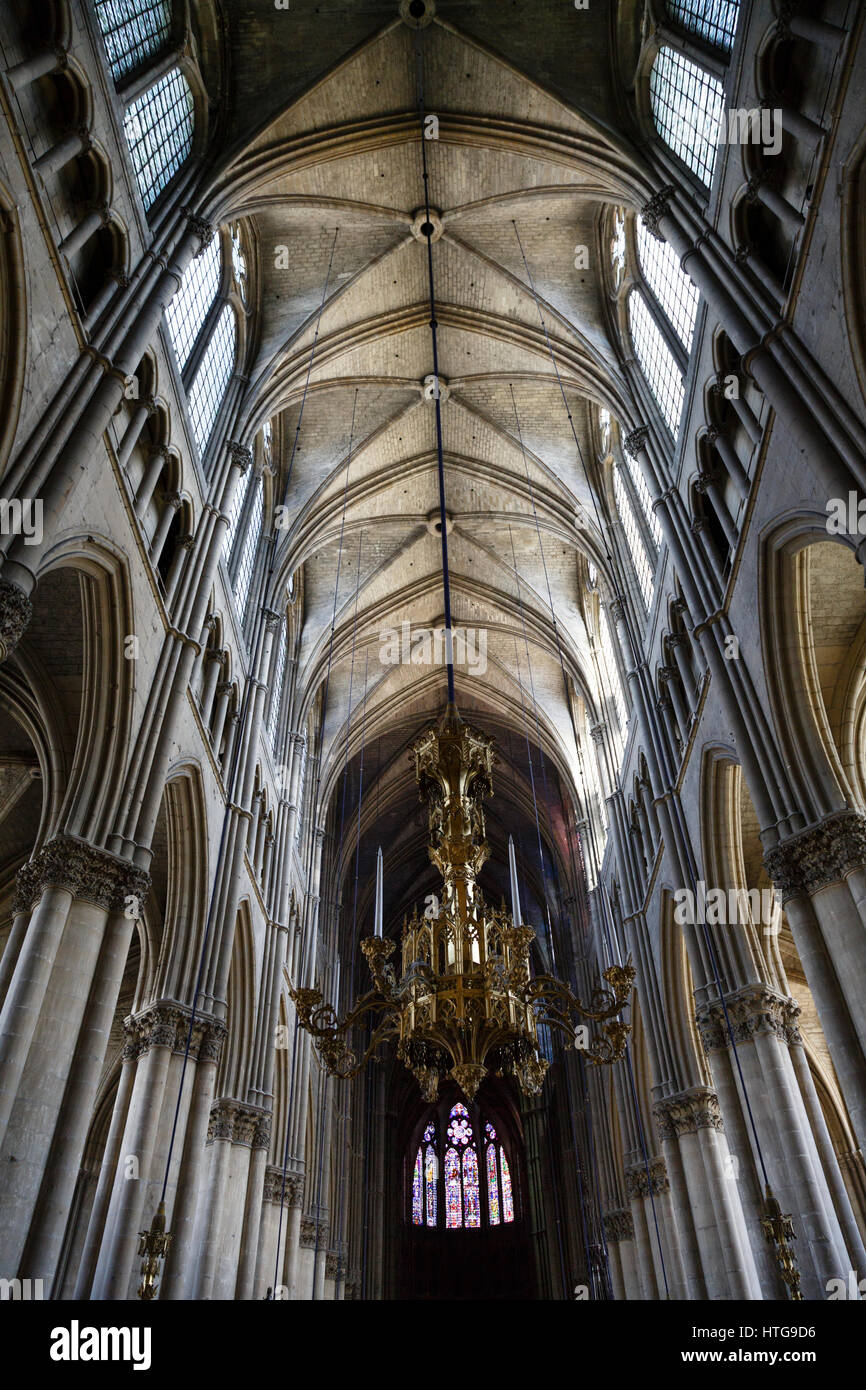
[326,169]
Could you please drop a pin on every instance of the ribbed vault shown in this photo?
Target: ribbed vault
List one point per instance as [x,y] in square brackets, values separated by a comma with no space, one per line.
[518,170]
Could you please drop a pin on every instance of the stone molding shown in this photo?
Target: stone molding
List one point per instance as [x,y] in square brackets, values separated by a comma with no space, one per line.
[752,1011]
[815,858]
[688,1112]
[637,1184]
[335,1265]
[89,874]
[618,1225]
[166,1024]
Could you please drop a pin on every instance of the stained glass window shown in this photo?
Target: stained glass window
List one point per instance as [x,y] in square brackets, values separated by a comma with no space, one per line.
[453,1205]
[687,104]
[671,286]
[507,1198]
[492,1182]
[417,1194]
[158,127]
[463,1176]
[133,30]
[471,1199]
[459,1130]
[188,310]
[712,20]
[657,361]
[431,1175]
[212,378]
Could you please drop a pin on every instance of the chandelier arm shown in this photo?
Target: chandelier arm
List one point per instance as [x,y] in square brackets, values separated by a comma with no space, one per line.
[344,1066]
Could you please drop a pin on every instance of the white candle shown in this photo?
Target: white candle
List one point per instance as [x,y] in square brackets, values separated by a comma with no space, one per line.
[515,891]
[379,910]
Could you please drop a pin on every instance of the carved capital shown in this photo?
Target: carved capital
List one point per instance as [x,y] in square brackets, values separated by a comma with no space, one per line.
[166,1024]
[635,441]
[755,1010]
[657,208]
[311,1228]
[236,1123]
[90,874]
[814,858]
[688,1112]
[335,1265]
[639,1184]
[240,456]
[15,613]
[203,229]
[618,1225]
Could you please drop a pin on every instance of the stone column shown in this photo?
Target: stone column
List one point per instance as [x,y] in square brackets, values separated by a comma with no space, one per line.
[717,1255]
[818,873]
[54,1028]
[157,1039]
[619,1234]
[764,1024]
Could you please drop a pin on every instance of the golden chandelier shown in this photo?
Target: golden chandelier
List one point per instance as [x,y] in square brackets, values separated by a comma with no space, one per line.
[466,1003]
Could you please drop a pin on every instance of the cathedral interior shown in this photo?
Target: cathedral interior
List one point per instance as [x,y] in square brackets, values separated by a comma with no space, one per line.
[432,767]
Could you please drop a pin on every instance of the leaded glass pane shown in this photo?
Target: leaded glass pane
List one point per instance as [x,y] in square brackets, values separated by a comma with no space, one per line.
[687,106]
[657,361]
[492,1185]
[279,677]
[431,1176]
[212,377]
[612,668]
[158,127]
[133,30]
[471,1202]
[669,283]
[712,20]
[459,1130]
[187,312]
[507,1198]
[453,1204]
[246,563]
[417,1194]
[633,536]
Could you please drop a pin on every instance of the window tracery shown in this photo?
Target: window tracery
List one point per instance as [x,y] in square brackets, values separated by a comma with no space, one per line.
[476,1174]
